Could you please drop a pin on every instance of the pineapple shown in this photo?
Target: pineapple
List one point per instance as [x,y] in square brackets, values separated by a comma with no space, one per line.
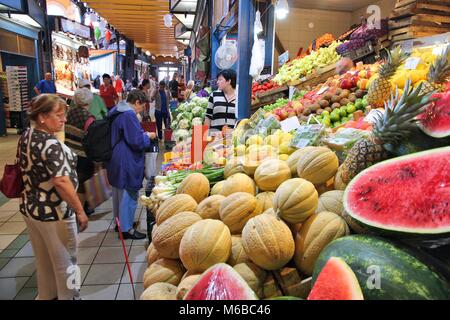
[390,129]
[438,74]
[380,89]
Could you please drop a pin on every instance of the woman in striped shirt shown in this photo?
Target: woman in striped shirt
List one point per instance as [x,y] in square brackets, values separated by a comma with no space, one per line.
[221,110]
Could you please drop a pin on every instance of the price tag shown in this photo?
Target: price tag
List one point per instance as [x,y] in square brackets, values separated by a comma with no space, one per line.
[290,124]
[412,63]
[407,46]
[291,92]
[322,90]
[302,143]
[438,51]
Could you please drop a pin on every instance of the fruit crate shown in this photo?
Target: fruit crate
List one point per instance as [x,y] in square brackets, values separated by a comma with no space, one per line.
[271,92]
[418,18]
[321,75]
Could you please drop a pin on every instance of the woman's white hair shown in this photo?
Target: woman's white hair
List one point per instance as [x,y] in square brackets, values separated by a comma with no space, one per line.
[191,84]
[83,97]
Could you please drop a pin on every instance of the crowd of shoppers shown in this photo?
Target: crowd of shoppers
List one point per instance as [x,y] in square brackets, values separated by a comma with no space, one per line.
[54,202]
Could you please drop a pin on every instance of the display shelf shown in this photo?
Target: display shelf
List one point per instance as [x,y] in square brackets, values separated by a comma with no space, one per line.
[315,78]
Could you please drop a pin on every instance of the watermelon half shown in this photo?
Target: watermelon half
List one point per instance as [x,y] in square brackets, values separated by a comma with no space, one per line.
[407,197]
[385,270]
[336,281]
[435,121]
[220,282]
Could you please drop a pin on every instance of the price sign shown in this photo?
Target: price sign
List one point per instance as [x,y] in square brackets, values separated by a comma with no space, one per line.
[291,92]
[302,143]
[290,124]
[438,51]
[412,63]
[322,90]
[283,58]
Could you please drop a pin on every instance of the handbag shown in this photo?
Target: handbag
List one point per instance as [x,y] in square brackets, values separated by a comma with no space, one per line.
[98,189]
[11,184]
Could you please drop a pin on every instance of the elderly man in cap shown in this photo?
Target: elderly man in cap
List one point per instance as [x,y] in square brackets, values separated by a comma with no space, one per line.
[97,107]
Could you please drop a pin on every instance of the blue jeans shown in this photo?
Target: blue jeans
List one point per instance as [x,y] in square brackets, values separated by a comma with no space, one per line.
[127,206]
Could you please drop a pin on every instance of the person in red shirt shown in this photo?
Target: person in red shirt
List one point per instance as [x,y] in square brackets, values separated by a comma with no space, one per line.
[119,86]
[108,92]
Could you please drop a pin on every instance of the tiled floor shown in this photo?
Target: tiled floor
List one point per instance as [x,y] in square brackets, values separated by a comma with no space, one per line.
[100,256]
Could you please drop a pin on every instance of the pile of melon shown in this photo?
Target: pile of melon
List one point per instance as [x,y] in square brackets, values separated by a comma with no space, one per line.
[270,228]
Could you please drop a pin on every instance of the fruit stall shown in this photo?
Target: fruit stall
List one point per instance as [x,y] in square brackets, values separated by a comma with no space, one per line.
[338,192]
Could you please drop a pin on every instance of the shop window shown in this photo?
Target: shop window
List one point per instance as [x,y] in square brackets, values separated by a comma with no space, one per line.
[8,41]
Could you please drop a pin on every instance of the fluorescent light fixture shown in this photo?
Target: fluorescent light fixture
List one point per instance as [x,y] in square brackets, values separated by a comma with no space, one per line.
[281,9]
[183,41]
[25,19]
[183,5]
[186,19]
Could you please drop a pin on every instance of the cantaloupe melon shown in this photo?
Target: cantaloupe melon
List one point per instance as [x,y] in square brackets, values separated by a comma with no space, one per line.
[204,244]
[152,254]
[271,173]
[217,188]
[164,270]
[265,199]
[160,291]
[237,209]
[238,182]
[185,285]
[314,235]
[332,201]
[238,254]
[167,237]
[253,275]
[173,205]
[268,242]
[196,185]
[295,200]
[317,165]
[209,208]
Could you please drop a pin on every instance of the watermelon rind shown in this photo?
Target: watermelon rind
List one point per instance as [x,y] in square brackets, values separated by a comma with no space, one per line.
[384,270]
[246,292]
[403,232]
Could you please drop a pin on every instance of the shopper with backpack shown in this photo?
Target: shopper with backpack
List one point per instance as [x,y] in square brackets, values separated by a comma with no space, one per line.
[126,166]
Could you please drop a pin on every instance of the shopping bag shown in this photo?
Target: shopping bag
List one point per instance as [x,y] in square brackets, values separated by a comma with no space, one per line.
[148,126]
[98,189]
[150,165]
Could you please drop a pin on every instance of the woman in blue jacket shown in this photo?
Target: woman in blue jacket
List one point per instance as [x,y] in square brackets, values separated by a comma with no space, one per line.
[126,167]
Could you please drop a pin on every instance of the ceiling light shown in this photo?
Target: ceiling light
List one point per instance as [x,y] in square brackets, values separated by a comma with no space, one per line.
[147,53]
[168,20]
[26,19]
[281,9]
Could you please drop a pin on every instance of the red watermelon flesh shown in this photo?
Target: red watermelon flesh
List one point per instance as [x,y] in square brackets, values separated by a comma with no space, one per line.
[221,282]
[336,281]
[409,194]
[435,121]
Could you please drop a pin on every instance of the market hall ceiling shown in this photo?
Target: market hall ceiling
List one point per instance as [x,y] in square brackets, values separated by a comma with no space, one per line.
[141,21]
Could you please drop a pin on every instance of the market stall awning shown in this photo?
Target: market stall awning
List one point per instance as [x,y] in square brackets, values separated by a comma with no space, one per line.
[141,21]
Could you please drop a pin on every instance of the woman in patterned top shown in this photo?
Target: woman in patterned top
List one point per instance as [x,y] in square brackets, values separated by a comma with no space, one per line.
[49,203]
[222,103]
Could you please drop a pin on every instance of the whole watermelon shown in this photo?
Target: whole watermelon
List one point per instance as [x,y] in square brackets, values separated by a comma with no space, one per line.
[384,271]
